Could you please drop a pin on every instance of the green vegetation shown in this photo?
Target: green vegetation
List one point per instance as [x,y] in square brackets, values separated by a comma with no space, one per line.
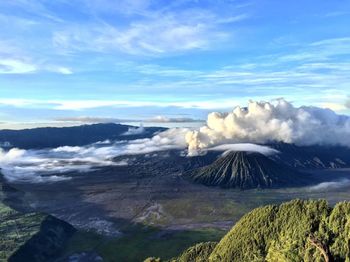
[31,236]
[294,231]
[16,229]
[138,243]
[197,253]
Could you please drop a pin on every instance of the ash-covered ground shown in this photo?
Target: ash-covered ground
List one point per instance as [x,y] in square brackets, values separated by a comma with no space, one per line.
[150,190]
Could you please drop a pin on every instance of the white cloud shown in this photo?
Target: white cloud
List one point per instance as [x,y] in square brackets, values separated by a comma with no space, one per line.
[333,106]
[263,122]
[21,66]
[163,30]
[50,165]
[60,70]
[135,131]
[15,66]
[320,51]
[347,103]
[246,147]
[89,104]
[17,102]
[13,60]
[140,38]
[36,8]
[44,165]
[334,185]
[88,119]
[125,7]
[165,119]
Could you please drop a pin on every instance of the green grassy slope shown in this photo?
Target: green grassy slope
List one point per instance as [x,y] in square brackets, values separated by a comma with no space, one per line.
[16,229]
[295,231]
[31,236]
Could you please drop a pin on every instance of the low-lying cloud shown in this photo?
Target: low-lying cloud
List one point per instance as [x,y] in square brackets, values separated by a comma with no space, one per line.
[165,119]
[135,131]
[245,147]
[88,119]
[331,185]
[264,122]
[52,165]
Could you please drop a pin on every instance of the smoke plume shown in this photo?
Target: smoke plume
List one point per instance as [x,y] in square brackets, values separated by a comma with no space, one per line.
[263,122]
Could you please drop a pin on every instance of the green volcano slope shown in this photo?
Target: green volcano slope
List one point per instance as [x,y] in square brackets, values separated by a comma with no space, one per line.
[298,230]
[247,170]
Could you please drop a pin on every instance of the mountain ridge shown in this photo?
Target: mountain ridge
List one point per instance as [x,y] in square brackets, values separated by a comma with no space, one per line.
[51,137]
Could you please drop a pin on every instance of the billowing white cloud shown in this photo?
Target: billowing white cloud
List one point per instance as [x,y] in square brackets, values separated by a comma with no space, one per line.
[263,122]
[239,130]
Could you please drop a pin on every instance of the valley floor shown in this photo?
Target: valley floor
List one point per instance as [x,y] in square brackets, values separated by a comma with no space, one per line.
[126,208]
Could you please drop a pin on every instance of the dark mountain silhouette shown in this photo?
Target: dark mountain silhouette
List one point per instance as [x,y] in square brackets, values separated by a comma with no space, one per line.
[49,137]
[313,156]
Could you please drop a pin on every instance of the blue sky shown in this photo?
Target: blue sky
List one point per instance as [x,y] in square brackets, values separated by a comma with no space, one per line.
[70,61]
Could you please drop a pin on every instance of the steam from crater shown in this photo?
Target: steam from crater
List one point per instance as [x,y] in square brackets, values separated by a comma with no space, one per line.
[263,122]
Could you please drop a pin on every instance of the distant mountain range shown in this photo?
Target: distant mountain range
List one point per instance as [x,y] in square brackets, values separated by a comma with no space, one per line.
[50,137]
[314,156]
[233,170]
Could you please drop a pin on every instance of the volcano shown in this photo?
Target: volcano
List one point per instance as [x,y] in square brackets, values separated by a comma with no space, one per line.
[246,170]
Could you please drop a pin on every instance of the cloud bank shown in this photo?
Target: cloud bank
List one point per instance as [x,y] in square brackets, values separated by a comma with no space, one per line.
[264,122]
[333,185]
[88,119]
[52,165]
[165,119]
